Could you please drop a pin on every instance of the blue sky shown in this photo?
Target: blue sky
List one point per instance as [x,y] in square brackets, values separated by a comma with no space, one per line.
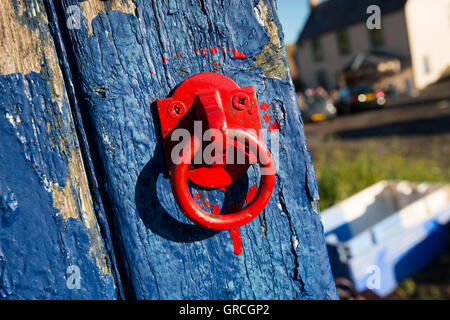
[293,15]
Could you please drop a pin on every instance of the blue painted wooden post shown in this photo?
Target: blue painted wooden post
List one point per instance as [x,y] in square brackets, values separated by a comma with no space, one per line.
[51,246]
[131,53]
[123,57]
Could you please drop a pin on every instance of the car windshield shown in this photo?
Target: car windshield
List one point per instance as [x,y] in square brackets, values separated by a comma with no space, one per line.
[316,103]
[361,89]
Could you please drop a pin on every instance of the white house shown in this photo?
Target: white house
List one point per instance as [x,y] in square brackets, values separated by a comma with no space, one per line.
[412,48]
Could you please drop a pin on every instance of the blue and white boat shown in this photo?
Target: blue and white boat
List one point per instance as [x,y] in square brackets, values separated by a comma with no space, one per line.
[386,233]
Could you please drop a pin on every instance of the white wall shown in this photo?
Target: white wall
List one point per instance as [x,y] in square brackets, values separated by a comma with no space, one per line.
[395,40]
[429,35]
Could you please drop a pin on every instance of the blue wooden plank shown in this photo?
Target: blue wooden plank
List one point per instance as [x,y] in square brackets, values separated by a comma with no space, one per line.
[130,53]
[58,29]
[49,233]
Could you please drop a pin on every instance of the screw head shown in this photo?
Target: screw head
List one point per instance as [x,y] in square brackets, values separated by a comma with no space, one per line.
[176,109]
[241,101]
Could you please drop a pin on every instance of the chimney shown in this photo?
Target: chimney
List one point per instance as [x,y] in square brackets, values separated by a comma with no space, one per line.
[314,3]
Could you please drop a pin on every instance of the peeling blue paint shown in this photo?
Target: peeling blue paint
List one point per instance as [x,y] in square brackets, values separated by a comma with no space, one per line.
[37,144]
[112,79]
[122,71]
[36,245]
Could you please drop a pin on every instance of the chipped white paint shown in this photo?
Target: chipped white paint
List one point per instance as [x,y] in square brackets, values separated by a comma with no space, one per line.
[109,144]
[259,15]
[296,242]
[13,120]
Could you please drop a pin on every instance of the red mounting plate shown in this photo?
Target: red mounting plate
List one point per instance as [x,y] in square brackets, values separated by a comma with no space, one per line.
[190,103]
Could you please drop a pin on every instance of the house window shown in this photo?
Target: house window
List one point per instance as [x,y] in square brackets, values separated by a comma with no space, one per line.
[322,79]
[317,49]
[426,64]
[376,37]
[343,41]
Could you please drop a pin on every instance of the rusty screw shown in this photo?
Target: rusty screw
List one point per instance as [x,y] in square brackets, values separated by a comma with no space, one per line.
[241,101]
[176,109]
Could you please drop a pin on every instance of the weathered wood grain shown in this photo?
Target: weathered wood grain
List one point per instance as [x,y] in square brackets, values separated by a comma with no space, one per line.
[127,54]
[47,217]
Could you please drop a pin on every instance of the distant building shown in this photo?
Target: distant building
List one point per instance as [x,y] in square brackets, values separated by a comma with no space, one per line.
[412,48]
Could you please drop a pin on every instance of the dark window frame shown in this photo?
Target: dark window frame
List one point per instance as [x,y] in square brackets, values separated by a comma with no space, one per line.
[376,38]
[343,41]
[322,79]
[317,50]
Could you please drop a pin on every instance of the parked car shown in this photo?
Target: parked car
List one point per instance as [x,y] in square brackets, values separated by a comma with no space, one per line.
[318,106]
[358,98]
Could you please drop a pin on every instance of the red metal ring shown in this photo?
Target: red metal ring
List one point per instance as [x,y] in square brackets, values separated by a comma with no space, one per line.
[232,220]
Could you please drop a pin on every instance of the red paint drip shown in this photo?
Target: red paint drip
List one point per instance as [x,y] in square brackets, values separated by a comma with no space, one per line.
[213,50]
[216,209]
[229,49]
[237,240]
[264,106]
[239,55]
[179,54]
[196,51]
[153,100]
[165,59]
[274,126]
[216,64]
[223,48]
[267,118]
[203,52]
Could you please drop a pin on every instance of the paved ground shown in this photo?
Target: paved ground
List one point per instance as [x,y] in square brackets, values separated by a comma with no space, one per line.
[420,127]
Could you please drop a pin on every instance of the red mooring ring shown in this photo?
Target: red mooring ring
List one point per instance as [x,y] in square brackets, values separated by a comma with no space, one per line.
[230,220]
